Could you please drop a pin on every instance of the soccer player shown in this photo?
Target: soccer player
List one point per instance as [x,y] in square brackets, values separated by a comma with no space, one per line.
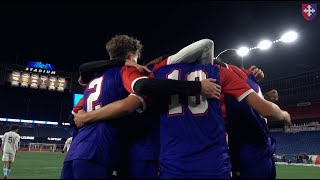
[192,132]
[143,148]
[251,147]
[67,145]
[94,150]
[10,146]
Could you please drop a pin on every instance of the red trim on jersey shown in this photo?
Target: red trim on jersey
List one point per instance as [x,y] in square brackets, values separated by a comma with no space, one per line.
[160,64]
[186,78]
[232,84]
[223,106]
[242,73]
[79,106]
[129,75]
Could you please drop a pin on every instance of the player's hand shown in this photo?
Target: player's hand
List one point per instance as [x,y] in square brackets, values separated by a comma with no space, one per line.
[81,119]
[138,66]
[272,96]
[258,73]
[286,118]
[62,151]
[210,89]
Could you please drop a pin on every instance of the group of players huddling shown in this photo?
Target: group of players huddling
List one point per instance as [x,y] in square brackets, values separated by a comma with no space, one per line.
[170,118]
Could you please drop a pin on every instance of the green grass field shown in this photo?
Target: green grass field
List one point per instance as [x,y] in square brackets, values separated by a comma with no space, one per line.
[45,165]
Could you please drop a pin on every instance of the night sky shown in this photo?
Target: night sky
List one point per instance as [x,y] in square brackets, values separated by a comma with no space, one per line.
[69,34]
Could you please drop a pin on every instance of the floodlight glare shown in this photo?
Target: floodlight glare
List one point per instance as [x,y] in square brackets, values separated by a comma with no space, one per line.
[289,37]
[243,51]
[265,44]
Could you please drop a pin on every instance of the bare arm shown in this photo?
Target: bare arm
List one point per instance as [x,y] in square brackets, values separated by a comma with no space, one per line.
[65,145]
[3,139]
[113,110]
[266,108]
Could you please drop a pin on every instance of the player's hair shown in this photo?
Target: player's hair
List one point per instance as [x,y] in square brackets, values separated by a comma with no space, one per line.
[121,45]
[230,57]
[14,127]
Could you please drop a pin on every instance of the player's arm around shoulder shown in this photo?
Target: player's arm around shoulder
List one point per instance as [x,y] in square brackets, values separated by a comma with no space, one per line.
[113,110]
[267,109]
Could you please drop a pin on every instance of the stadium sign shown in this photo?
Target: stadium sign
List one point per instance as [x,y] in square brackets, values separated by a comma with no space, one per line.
[54,139]
[27,137]
[39,67]
[22,137]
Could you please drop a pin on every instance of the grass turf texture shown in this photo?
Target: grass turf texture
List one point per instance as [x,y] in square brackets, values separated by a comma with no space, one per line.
[46,165]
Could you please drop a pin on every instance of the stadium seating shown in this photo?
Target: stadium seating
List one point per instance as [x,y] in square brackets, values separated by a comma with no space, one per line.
[291,144]
[312,111]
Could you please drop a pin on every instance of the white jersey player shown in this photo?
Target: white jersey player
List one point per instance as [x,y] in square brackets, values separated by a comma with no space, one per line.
[10,146]
[67,145]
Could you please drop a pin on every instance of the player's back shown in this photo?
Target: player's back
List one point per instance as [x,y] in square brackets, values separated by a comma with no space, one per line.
[250,121]
[99,141]
[249,134]
[192,130]
[11,140]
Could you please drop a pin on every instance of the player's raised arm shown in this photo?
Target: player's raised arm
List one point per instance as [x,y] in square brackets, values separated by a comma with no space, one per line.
[201,51]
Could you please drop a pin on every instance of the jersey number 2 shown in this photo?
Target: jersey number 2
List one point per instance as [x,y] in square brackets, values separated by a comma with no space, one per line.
[94,89]
[196,104]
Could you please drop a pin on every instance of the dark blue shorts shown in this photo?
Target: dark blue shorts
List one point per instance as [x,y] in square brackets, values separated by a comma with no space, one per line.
[265,169]
[143,169]
[84,169]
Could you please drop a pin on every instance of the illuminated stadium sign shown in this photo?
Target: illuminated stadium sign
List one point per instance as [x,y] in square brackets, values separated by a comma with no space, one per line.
[38,75]
[39,67]
[28,121]
[54,139]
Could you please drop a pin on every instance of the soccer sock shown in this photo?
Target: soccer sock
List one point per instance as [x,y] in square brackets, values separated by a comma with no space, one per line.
[5,171]
[8,172]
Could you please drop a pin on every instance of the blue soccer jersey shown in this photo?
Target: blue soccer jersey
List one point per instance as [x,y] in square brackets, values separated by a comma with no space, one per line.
[251,148]
[192,133]
[99,142]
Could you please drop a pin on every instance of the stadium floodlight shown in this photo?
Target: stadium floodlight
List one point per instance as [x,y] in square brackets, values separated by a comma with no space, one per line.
[265,44]
[289,37]
[243,51]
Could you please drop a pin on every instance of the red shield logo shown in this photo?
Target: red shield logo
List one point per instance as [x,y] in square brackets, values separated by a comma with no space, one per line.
[309,11]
